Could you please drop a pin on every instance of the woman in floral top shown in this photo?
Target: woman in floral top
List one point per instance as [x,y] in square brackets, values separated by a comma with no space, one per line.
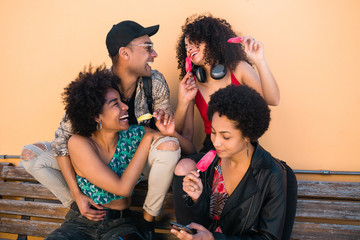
[108,155]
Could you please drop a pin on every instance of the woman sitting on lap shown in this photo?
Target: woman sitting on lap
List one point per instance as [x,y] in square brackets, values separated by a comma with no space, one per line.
[242,194]
[108,155]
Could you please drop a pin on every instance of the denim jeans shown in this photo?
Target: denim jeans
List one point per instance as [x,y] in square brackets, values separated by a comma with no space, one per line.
[43,166]
[78,227]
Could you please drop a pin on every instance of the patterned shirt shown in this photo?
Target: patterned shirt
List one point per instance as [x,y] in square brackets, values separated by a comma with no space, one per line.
[219,195]
[161,100]
[126,147]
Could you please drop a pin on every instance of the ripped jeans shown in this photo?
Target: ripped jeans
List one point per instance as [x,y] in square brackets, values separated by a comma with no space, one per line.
[40,162]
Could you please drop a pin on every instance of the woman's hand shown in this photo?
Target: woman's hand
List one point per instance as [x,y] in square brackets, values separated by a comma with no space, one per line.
[202,233]
[253,49]
[192,185]
[89,209]
[165,123]
[187,89]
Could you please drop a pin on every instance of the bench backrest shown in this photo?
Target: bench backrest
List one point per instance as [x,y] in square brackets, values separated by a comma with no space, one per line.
[327,210]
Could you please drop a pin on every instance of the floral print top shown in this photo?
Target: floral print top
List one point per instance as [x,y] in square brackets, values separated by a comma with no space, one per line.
[219,195]
[126,147]
[161,100]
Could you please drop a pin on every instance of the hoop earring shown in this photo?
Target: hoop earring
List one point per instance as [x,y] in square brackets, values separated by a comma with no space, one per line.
[99,126]
[247,148]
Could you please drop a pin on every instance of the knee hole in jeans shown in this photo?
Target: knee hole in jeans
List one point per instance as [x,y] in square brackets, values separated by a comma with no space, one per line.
[169,145]
[27,154]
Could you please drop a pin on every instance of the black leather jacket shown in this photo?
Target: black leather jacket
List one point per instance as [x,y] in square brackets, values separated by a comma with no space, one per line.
[256,208]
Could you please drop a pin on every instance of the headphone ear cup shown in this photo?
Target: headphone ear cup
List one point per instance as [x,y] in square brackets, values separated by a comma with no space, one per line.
[200,74]
[218,72]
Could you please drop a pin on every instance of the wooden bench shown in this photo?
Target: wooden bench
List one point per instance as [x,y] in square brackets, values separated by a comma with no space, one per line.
[326,210]
[28,208]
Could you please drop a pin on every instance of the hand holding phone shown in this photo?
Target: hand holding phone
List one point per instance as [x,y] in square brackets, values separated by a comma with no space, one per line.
[179,227]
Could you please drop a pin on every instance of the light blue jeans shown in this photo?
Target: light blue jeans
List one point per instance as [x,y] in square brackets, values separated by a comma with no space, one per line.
[40,162]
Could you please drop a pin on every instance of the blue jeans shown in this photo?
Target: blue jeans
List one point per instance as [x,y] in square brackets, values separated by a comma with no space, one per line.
[76,226]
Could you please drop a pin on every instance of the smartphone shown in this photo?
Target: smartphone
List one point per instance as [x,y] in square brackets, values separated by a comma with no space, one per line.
[131,236]
[179,227]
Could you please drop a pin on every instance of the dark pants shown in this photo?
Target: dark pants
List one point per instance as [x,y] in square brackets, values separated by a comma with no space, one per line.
[79,227]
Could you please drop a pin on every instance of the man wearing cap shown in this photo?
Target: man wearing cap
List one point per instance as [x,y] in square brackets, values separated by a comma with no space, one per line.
[131,51]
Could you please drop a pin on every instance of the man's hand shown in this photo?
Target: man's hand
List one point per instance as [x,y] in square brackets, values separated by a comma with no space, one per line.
[165,123]
[89,209]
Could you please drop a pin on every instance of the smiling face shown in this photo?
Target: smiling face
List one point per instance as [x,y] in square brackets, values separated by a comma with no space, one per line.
[195,51]
[114,116]
[142,54]
[226,138]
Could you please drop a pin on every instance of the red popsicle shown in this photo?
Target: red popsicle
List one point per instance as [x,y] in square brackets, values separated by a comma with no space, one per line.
[235,40]
[206,160]
[188,65]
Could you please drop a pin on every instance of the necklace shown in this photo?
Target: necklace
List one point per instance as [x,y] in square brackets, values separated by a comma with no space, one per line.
[127,97]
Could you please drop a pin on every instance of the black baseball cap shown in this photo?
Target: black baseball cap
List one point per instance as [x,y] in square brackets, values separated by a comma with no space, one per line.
[121,34]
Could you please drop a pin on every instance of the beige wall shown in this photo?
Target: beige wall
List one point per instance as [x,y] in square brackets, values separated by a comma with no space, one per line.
[312,47]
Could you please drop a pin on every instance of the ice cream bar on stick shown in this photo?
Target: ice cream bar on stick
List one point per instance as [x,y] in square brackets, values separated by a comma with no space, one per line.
[144,117]
[206,160]
[188,65]
[235,40]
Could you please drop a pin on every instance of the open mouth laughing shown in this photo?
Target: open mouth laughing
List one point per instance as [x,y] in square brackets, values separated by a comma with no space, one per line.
[124,117]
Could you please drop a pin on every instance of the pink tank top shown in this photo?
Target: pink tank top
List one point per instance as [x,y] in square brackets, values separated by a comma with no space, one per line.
[203,106]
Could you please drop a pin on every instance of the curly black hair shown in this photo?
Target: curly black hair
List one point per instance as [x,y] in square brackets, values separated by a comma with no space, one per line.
[84,98]
[214,32]
[244,106]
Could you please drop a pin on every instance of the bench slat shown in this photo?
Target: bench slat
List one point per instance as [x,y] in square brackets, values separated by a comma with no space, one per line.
[334,190]
[16,173]
[28,190]
[36,209]
[27,227]
[3,164]
[328,209]
[323,231]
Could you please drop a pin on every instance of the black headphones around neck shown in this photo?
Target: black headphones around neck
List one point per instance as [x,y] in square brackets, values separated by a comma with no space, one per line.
[218,72]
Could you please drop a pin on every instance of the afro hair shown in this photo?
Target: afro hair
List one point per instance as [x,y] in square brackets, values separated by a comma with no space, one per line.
[244,106]
[85,96]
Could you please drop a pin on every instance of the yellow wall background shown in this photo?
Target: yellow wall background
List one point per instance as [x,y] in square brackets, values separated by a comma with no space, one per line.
[312,47]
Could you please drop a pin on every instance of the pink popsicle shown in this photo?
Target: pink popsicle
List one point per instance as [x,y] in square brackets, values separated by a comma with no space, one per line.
[188,65]
[235,40]
[206,160]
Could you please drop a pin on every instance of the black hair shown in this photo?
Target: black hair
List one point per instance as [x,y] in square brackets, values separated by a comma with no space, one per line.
[214,32]
[244,106]
[84,98]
